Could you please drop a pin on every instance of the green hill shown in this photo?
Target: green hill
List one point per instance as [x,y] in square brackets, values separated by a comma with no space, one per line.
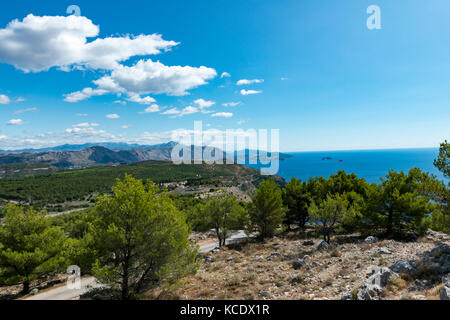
[77,185]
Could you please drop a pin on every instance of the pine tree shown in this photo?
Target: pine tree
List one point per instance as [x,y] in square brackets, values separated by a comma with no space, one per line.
[267,212]
[29,246]
[140,237]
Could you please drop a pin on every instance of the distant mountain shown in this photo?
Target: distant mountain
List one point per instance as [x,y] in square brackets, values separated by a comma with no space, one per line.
[86,155]
[79,147]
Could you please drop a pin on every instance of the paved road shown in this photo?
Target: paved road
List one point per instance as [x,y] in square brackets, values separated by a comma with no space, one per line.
[64,293]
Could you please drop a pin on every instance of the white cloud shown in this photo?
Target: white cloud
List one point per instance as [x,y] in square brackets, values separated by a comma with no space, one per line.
[284,79]
[146,100]
[148,77]
[26,110]
[40,43]
[225,75]
[2,137]
[125,126]
[222,114]
[120,102]
[231,104]
[247,82]
[85,125]
[151,109]
[16,122]
[202,104]
[83,94]
[247,92]
[81,114]
[20,99]
[189,110]
[172,111]
[240,122]
[112,116]
[4,99]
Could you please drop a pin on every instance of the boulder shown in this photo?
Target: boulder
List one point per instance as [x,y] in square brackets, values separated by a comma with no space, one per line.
[308,243]
[323,245]
[347,296]
[263,294]
[297,264]
[440,250]
[384,250]
[380,277]
[34,291]
[371,239]
[445,292]
[404,266]
[368,292]
[273,255]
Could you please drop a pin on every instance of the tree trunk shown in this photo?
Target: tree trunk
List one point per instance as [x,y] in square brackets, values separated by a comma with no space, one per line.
[219,237]
[389,226]
[125,276]
[26,287]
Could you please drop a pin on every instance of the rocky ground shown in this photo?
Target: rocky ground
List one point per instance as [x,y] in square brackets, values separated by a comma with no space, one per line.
[303,269]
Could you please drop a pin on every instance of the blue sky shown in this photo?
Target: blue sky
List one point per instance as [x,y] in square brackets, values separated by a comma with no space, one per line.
[329,83]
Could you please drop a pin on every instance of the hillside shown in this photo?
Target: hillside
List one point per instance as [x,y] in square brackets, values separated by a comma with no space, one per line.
[296,267]
[75,185]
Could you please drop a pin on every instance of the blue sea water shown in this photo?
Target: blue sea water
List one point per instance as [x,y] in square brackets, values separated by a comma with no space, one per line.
[368,164]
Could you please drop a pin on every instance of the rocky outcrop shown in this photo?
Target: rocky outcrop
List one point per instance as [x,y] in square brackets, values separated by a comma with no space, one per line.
[404,267]
[323,245]
[375,283]
[445,292]
[371,240]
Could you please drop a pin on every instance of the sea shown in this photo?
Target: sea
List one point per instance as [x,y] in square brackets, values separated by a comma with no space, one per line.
[368,164]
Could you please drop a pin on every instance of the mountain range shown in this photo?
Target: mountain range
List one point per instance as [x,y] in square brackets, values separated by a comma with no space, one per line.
[89,155]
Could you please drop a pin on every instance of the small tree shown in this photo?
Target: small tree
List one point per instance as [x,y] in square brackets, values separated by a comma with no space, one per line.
[297,200]
[328,214]
[398,204]
[443,160]
[29,246]
[221,213]
[140,237]
[267,212]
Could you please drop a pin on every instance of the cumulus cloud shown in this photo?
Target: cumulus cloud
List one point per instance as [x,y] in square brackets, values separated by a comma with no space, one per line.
[172,111]
[247,92]
[85,125]
[225,75]
[202,104]
[4,99]
[148,77]
[231,104]
[39,43]
[112,116]
[138,99]
[189,110]
[247,82]
[16,122]
[151,109]
[222,114]
[83,94]
[3,137]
